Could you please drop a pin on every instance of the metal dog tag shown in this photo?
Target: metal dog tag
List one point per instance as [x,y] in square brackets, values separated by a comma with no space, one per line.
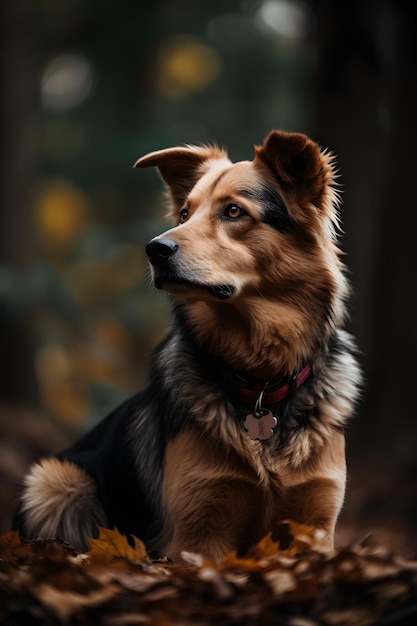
[260,424]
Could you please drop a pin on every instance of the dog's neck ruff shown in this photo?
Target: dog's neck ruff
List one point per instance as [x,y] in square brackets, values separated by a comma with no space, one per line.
[272,393]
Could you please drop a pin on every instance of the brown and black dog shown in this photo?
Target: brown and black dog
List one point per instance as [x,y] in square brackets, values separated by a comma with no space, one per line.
[241,426]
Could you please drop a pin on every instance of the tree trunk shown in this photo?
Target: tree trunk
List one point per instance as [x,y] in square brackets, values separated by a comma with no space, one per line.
[366,110]
[17,372]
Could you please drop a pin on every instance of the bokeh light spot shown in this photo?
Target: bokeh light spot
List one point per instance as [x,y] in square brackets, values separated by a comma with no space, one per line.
[61,214]
[186,65]
[287,18]
[67,81]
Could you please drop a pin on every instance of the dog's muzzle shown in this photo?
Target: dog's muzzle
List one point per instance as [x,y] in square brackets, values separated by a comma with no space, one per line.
[159,250]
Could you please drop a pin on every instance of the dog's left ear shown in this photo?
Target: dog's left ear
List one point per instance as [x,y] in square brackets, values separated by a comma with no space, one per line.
[181,168]
[295,160]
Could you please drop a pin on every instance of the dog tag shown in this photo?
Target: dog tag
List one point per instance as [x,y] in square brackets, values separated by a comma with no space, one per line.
[260,424]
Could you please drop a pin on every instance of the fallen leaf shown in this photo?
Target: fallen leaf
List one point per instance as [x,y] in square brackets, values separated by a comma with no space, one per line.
[303,538]
[65,604]
[358,617]
[112,544]
[280,582]
[9,541]
[196,560]
[358,584]
[223,591]
[12,550]
[126,619]
[264,549]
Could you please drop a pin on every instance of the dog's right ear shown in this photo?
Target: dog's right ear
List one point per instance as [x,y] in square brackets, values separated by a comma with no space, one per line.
[181,168]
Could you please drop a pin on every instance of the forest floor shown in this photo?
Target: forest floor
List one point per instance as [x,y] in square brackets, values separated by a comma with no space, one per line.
[370,579]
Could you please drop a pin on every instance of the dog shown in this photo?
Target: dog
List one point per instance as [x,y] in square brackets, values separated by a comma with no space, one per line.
[242,424]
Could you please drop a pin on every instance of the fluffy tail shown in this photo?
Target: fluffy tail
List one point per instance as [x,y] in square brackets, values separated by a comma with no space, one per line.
[59,500]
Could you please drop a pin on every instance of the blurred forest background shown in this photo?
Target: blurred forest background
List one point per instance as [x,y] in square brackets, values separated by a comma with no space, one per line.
[88,86]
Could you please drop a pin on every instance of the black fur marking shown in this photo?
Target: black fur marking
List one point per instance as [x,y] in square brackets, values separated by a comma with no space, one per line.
[108,454]
[167,276]
[223,292]
[275,212]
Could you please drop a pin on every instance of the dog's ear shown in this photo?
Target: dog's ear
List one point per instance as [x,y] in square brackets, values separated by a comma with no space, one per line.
[181,167]
[296,161]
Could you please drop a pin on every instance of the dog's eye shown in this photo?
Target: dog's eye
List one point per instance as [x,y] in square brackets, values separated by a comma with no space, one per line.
[233,211]
[183,215]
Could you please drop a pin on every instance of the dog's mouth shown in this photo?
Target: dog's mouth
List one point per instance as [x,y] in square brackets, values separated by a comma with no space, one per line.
[189,288]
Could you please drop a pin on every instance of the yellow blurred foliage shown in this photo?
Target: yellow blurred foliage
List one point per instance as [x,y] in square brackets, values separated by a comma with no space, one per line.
[95,364]
[110,334]
[53,366]
[66,404]
[185,66]
[61,214]
[105,357]
[100,282]
[61,395]
[66,373]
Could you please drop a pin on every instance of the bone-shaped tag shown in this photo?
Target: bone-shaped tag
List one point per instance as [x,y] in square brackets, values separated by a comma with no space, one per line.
[260,424]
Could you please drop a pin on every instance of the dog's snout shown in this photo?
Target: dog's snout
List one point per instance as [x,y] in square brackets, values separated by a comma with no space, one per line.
[159,250]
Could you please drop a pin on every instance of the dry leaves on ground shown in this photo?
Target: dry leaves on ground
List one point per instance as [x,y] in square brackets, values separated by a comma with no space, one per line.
[115,584]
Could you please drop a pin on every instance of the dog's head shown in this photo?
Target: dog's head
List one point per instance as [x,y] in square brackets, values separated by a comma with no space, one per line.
[251,233]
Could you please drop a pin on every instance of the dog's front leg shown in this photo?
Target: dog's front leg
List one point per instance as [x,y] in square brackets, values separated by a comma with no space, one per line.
[214,518]
[316,504]
[313,493]
[212,505]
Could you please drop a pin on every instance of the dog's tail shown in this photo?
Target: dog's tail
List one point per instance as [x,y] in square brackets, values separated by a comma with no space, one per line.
[59,500]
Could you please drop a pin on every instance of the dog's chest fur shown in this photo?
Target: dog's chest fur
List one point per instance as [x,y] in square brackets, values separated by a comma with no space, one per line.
[217,482]
[208,486]
[211,490]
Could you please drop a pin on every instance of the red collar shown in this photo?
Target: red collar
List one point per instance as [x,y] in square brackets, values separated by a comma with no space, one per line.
[271,393]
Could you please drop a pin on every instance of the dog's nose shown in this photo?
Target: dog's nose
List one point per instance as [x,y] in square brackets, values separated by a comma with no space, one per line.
[160,250]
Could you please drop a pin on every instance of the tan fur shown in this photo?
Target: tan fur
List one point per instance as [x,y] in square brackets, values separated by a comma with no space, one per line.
[59,499]
[247,333]
[216,502]
[211,498]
